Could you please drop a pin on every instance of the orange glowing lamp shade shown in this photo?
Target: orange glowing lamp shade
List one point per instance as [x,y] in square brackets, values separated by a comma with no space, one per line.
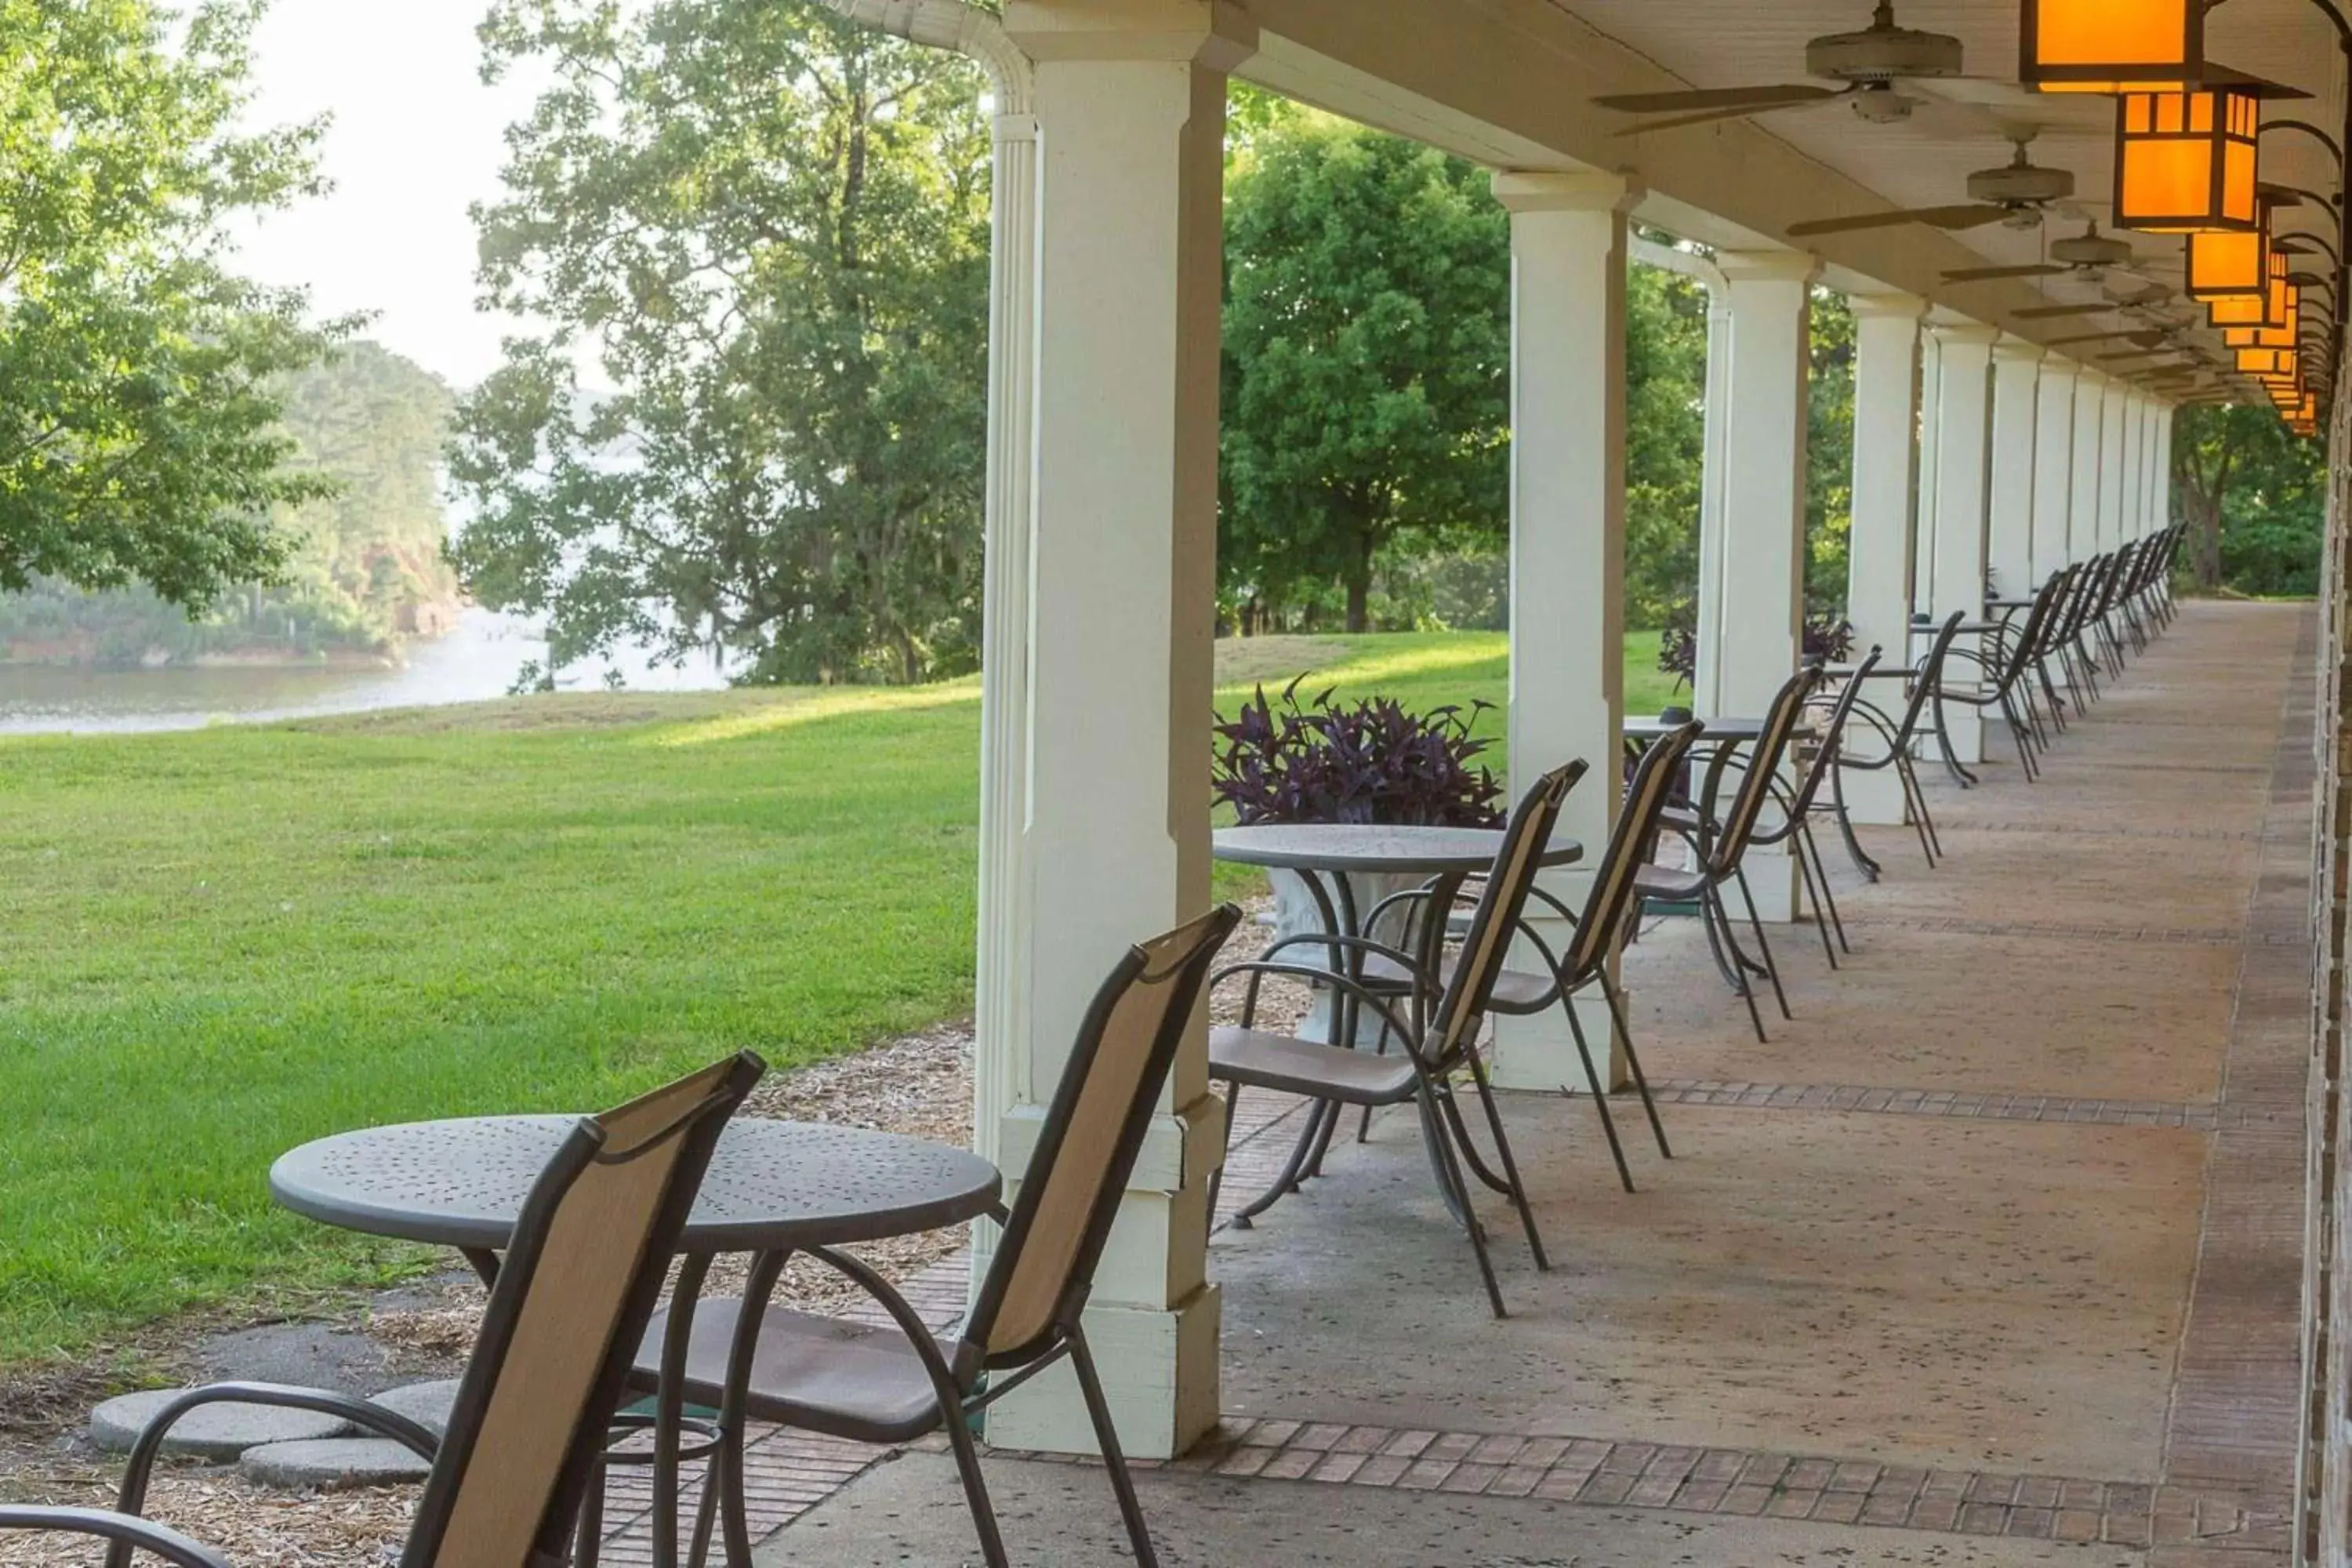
[2276,308]
[2267,362]
[2185,160]
[2259,337]
[2111,46]
[2230,264]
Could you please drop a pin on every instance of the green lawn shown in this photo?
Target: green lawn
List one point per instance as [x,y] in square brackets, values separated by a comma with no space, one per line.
[215,945]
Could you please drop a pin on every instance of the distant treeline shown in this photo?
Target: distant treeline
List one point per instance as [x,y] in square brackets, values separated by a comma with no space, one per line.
[367,569]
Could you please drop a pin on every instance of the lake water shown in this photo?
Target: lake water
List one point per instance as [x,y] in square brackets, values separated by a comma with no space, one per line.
[478,660]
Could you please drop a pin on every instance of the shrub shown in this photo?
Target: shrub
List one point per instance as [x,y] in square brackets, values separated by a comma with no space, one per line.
[1367,761]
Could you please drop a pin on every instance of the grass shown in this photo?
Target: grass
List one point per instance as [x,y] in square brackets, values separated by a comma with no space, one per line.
[215,945]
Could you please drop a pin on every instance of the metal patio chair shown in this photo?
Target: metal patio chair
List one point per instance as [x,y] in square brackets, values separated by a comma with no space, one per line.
[2006,659]
[1899,735]
[872,1384]
[1421,1070]
[1719,843]
[527,1434]
[1798,803]
[1584,962]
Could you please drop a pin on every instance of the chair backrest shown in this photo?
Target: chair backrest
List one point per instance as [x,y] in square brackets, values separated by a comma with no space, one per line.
[1763,761]
[2025,645]
[1646,797]
[1824,758]
[1087,1149]
[575,1290]
[1488,944]
[1927,674]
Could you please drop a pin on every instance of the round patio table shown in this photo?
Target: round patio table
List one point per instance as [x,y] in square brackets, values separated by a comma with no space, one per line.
[1325,856]
[773,1188]
[1649,728]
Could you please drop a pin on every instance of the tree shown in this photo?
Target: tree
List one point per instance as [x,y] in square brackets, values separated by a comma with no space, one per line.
[1666,439]
[2254,495]
[138,427]
[1829,452]
[767,228]
[1368,354]
[363,566]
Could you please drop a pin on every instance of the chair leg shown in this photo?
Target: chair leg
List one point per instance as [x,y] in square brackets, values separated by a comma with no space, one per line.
[1122,1485]
[1449,1174]
[588,1541]
[1517,1188]
[1922,820]
[1633,1062]
[1811,846]
[1813,896]
[1763,943]
[1744,986]
[1854,851]
[1217,1176]
[1599,1092]
[975,1489]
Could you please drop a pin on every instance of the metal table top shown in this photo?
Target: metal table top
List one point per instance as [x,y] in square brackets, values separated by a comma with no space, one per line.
[1653,728]
[1356,847]
[772,1185]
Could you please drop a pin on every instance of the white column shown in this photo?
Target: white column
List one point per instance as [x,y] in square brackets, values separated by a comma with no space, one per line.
[1568,549]
[1962,435]
[1130,97]
[1707,684]
[2016,438]
[1759,629]
[1922,519]
[2135,464]
[2164,418]
[1880,550]
[2053,464]
[2111,466]
[2090,454]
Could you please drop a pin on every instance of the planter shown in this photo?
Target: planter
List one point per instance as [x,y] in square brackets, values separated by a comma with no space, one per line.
[1296,913]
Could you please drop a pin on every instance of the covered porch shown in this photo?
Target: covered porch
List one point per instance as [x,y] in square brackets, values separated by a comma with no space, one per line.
[1992,1255]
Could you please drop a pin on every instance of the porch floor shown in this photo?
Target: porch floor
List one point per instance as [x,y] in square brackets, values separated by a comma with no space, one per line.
[1992,1256]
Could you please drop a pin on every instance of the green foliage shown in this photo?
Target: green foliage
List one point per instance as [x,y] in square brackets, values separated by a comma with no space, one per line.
[224,943]
[769,229]
[1828,454]
[139,426]
[2254,495]
[364,566]
[1368,352]
[1665,439]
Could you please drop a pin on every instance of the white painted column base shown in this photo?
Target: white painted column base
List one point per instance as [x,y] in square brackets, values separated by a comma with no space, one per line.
[1538,1054]
[1875,798]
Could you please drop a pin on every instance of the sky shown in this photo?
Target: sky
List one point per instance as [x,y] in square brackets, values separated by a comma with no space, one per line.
[415,138]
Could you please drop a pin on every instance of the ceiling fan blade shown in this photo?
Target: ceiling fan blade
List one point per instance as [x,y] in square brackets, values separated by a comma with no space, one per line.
[1742,111]
[1994,274]
[2135,353]
[2087,338]
[1941,217]
[1715,98]
[1968,215]
[2053,312]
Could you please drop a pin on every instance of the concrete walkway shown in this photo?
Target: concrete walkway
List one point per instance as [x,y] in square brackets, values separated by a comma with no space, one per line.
[1989,1256]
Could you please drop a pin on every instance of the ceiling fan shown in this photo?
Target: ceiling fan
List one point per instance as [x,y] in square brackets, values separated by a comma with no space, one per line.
[2014,194]
[1869,63]
[2089,254]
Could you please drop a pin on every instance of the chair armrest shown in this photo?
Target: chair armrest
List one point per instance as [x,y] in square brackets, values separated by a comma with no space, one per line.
[945,1384]
[141,1466]
[1339,942]
[124,1530]
[1259,967]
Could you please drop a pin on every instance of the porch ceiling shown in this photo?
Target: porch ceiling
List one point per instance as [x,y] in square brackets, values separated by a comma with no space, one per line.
[1510,82]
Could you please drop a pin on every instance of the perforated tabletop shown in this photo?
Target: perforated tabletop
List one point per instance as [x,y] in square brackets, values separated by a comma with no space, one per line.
[772,1185]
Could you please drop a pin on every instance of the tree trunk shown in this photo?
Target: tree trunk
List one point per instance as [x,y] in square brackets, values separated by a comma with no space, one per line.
[1359,583]
[2205,519]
